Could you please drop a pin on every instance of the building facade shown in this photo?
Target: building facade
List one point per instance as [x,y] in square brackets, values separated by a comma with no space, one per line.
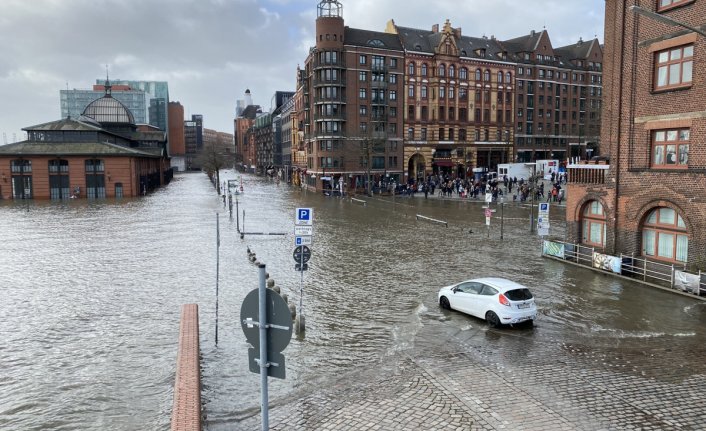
[193,140]
[98,154]
[177,145]
[458,99]
[74,102]
[157,102]
[352,96]
[650,200]
[558,102]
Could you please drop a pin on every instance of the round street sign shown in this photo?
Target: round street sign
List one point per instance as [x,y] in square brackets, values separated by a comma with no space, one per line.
[277,314]
[298,251]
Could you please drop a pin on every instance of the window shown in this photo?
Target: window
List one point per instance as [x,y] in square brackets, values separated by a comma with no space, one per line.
[478,75]
[462,93]
[452,71]
[508,78]
[424,133]
[393,111]
[666,4]
[451,93]
[664,236]
[500,77]
[363,110]
[674,67]
[424,92]
[461,134]
[442,70]
[393,95]
[424,69]
[486,76]
[362,76]
[362,59]
[410,69]
[362,93]
[363,127]
[410,112]
[410,133]
[95,180]
[393,63]
[463,73]
[393,79]
[410,91]
[670,148]
[442,92]
[441,133]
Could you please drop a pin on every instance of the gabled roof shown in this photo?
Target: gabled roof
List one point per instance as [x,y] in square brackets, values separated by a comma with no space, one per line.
[67,124]
[372,39]
[417,40]
[526,43]
[102,149]
[579,50]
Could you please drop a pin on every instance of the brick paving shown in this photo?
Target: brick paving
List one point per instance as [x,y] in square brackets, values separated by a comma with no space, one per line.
[186,410]
[482,380]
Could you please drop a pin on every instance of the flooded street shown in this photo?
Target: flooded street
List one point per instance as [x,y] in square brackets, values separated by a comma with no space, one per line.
[91,295]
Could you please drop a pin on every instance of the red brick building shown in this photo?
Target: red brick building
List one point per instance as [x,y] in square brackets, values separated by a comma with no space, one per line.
[651,199]
[458,101]
[101,154]
[352,92]
[558,103]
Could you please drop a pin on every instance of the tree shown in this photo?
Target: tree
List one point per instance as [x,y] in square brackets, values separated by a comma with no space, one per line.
[371,142]
[212,159]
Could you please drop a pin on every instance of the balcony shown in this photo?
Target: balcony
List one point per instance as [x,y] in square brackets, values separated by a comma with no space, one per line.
[378,101]
[378,67]
[378,84]
[588,172]
[318,82]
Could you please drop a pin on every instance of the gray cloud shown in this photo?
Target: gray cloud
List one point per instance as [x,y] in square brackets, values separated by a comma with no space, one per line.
[210,51]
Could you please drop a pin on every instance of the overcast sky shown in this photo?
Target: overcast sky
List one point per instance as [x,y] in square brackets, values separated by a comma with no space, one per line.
[211,51]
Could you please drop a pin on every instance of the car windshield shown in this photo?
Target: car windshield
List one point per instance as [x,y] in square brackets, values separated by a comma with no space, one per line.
[518,294]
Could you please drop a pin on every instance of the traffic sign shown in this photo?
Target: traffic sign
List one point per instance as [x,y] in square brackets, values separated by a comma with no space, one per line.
[304,217]
[302,240]
[302,252]
[299,267]
[487,220]
[488,198]
[279,331]
[488,212]
[303,230]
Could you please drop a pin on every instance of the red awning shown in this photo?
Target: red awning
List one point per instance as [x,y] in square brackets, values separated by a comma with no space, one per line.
[442,163]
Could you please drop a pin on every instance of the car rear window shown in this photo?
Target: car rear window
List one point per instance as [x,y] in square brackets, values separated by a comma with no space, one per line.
[518,294]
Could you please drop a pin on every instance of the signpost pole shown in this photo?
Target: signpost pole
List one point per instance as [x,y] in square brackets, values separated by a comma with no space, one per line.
[301,293]
[262,317]
[218,257]
[502,217]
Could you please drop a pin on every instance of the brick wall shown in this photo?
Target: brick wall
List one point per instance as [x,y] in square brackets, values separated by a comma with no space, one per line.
[632,110]
[186,411]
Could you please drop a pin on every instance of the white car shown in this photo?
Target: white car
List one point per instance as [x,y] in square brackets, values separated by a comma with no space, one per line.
[497,300]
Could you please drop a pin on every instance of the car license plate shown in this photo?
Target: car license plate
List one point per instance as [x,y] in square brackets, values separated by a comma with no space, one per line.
[524,305]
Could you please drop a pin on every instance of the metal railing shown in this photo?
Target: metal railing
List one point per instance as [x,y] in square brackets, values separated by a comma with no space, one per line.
[638,268]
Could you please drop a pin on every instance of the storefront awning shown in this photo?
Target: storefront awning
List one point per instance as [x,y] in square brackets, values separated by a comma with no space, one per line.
[448,163]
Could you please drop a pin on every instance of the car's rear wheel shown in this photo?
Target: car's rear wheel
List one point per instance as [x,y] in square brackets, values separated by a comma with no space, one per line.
[444,302]
[492,319]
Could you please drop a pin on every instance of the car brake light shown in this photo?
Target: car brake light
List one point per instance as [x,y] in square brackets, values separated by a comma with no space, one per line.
[503,300]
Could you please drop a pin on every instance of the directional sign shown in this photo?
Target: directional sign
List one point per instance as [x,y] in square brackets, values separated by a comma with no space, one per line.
[488,198]
[304,217]
[303,230]
[279,333]
[300,252]
[302,240]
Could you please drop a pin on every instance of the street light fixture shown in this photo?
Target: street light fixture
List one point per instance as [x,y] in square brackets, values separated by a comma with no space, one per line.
[665,19]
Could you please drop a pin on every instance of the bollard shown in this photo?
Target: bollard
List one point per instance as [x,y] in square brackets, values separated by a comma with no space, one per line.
[285,297]
[270,283]
[299,324]
[293,310]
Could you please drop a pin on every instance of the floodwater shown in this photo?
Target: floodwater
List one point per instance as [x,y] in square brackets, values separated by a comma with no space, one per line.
[91,296]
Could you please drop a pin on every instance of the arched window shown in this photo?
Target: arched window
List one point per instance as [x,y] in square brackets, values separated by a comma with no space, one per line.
[486,76]
[664,236]
[424,69]
[478,75]
[593,227]
[463,73]
[410,69]
[508,78]
[452,71]
[500,77]
[442,70]
[95,178]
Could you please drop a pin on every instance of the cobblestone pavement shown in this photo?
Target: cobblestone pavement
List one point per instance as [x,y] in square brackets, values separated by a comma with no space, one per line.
[482,379]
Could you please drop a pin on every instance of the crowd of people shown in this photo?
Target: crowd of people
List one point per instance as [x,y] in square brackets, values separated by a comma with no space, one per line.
[513,188]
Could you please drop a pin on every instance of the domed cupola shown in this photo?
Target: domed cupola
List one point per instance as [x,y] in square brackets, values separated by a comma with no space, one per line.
[109,111]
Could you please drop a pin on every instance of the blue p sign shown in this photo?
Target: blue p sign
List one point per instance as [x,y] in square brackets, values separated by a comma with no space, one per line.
[304,217]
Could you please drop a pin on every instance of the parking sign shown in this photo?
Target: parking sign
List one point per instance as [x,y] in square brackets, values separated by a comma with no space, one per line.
[304,217]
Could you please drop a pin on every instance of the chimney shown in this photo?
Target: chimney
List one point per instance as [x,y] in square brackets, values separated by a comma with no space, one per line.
[532,33]
[457,33]
[435,28]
